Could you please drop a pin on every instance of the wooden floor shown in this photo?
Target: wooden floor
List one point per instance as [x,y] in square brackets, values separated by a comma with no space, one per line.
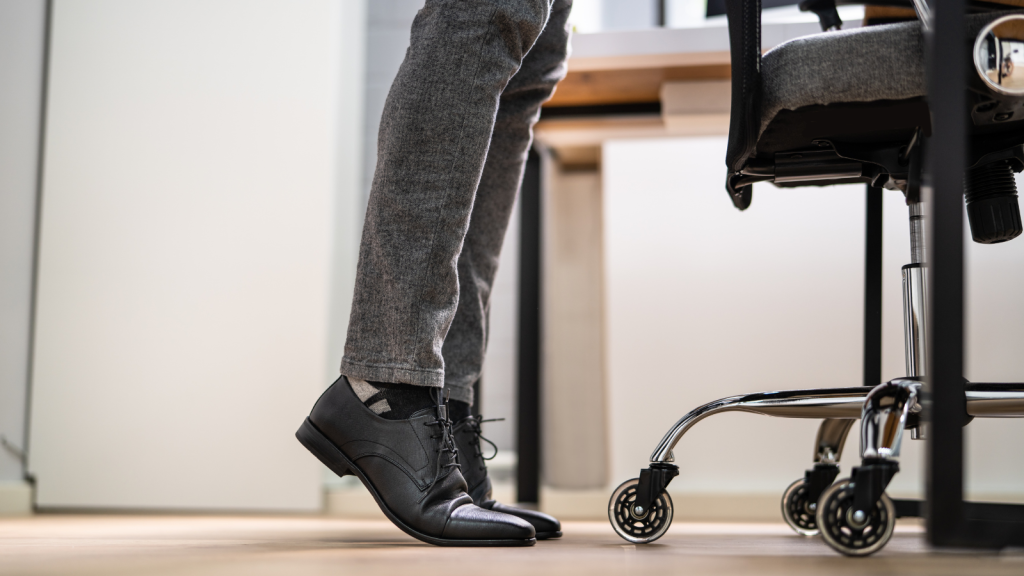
[255,546]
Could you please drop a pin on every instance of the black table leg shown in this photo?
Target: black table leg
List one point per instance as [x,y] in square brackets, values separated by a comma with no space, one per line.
[872,372]
[528,417]
[945,169]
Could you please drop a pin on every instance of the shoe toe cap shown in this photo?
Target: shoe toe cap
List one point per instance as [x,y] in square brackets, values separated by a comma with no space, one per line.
[543,523]
[471,522]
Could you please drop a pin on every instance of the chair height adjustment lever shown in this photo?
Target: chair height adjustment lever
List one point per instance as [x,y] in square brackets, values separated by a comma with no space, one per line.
[828,16]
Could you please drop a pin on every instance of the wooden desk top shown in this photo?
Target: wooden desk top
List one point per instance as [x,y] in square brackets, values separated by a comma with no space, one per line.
[629,67]
[626,67]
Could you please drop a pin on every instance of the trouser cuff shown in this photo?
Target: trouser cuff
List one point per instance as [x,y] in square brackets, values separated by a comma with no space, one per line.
[393,374]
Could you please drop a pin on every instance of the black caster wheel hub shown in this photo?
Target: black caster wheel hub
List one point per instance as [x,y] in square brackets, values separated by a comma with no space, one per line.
[636,525]
[852,532]
[798,510]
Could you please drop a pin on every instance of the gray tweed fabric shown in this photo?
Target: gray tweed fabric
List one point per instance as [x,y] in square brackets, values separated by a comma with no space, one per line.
[883,62]
[456,128]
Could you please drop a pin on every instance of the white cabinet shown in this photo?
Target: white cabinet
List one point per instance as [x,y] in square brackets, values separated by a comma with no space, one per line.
[191,191]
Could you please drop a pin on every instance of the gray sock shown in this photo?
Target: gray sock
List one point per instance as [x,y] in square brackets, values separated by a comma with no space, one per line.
[392,401]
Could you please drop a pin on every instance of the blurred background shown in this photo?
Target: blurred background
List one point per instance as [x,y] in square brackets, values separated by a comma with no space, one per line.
[182,186]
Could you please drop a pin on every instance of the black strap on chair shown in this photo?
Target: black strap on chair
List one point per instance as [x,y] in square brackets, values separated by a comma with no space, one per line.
[745,119]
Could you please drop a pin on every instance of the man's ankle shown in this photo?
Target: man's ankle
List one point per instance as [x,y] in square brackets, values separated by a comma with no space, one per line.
[458,410]
[392,401]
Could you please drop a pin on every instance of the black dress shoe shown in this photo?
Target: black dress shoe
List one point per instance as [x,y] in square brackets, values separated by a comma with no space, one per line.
[411,469]
[474,469]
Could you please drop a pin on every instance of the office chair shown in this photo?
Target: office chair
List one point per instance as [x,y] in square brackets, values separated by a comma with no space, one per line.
[849,107]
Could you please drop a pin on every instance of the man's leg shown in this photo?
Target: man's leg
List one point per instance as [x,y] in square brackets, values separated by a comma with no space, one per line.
[466,343]
[502,177]
[434,136]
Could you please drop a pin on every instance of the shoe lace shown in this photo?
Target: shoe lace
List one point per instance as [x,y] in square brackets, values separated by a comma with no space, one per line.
[444,424]
[473,425]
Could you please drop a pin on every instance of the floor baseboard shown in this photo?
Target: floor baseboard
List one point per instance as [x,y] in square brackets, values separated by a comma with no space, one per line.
[15,499]
[724,507]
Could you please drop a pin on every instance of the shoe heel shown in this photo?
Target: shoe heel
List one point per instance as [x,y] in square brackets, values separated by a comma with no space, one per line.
[322,448]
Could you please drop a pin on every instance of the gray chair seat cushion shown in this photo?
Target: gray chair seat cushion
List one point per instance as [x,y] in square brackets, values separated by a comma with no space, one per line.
[867,64]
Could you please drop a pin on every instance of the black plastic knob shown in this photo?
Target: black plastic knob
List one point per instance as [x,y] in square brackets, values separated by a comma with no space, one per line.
[992,208]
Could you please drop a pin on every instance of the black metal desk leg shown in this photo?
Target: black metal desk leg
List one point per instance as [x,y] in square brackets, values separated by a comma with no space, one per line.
[947,67]
[528,425]
[873,288]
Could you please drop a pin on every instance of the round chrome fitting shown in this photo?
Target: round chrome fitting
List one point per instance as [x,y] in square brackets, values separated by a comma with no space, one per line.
[999,55]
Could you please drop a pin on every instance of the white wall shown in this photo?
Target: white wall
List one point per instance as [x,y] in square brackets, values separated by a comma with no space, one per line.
[349,158]
[22,38]
[387,38]
[604,15]
[500,370]
[629,14]
[574,409]
[190,194]
[705,301]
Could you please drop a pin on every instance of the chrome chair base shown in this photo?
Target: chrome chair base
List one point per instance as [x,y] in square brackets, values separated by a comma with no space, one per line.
[855,513]
[854,516]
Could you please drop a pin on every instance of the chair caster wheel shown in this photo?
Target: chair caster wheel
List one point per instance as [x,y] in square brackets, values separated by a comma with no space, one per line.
[853,532]
[798,510]
[638,528]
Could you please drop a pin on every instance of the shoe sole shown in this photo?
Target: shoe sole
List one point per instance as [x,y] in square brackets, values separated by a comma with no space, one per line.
[332,457]
[548,535]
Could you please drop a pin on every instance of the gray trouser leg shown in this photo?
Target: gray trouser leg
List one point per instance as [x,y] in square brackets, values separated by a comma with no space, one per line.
[518,110]
[435,132]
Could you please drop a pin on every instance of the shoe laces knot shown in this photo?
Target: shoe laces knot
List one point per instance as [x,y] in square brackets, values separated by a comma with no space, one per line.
[447,449]
[472,425]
